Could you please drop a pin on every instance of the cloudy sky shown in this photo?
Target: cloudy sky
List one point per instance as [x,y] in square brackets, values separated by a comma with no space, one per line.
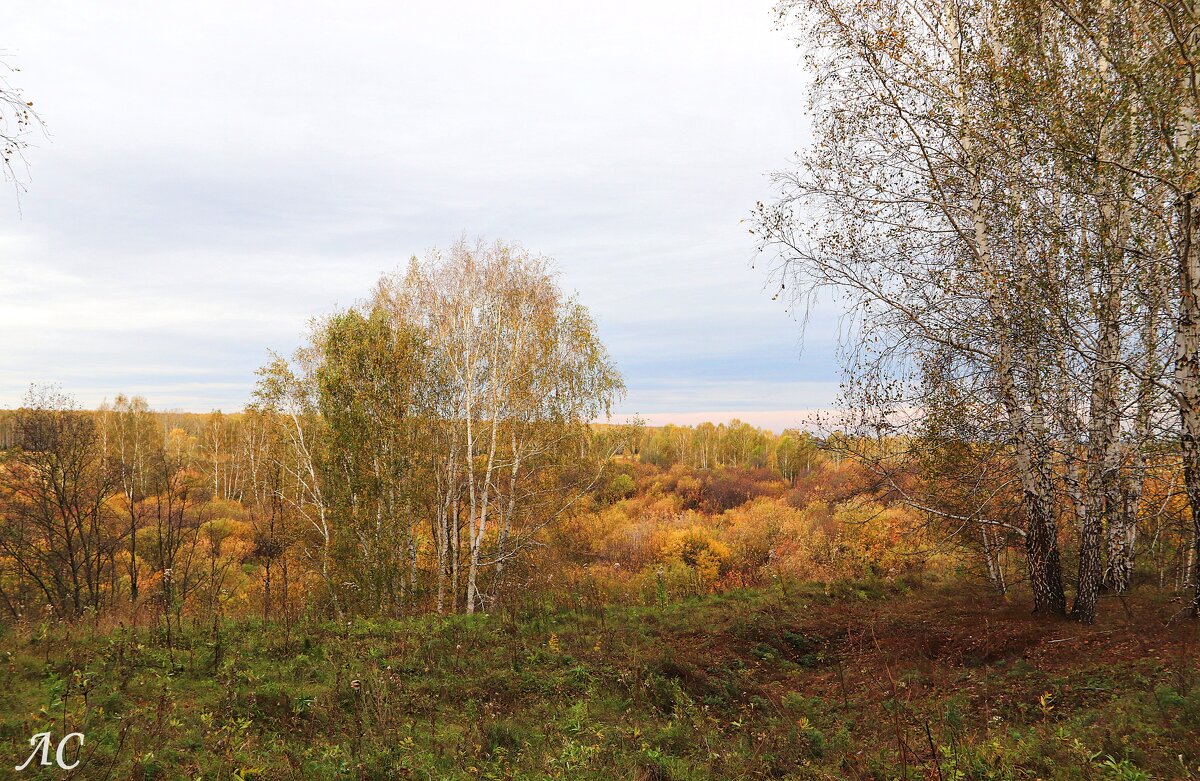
[217,173]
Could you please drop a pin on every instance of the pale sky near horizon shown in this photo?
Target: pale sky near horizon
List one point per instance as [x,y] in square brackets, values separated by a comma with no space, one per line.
[217,173]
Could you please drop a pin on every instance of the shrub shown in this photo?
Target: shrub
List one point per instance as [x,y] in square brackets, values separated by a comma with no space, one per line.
[699,549]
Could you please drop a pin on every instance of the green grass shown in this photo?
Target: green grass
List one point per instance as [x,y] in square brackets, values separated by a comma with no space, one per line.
[747,684]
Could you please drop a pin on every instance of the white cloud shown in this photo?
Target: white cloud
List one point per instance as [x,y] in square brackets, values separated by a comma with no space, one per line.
[219,172]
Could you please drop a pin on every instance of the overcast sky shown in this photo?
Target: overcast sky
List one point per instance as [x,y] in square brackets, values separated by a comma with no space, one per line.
[217,173]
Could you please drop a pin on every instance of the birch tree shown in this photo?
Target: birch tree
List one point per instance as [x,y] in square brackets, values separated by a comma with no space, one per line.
[17,120]
[447,414]
[989,192]
[1152,52]
[907,206]
[130,440]
[521,367]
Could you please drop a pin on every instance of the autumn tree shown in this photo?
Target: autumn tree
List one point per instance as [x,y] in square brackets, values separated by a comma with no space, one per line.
[130,434]
[54,487]
[519,369]
[17,120]
[285,436]
[447,411]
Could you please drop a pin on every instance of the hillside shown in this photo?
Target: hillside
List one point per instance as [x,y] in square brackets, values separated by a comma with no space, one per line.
[854,681]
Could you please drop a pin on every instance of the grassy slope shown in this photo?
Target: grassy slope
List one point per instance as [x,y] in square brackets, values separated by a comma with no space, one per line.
[750,684]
